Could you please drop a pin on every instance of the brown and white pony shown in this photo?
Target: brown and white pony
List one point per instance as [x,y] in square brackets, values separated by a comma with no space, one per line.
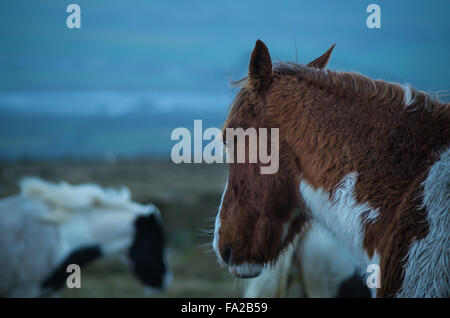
[369,160]
[314,266]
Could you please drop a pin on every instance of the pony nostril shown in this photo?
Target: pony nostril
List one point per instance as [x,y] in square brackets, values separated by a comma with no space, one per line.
[226,254]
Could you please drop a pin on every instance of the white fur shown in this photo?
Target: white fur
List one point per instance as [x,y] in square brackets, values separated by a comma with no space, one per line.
[317,266]
[112,230]
[273,280]
[427,270]
[325,264]
[408,99]
[342,216]
[23,261]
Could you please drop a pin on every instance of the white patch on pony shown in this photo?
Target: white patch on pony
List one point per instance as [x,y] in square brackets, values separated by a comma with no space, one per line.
[427,268]
[215,243]
[407,90]
[341,215]
[112,230]
[325,265]
[273,280]
[372,216]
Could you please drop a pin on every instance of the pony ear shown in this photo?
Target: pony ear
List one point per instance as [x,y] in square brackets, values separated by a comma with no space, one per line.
[260,69]
[322,60]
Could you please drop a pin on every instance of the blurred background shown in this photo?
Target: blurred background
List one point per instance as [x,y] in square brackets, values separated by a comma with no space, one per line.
[98,104]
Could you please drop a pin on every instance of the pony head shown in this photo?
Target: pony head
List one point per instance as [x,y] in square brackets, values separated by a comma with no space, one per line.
[257,217]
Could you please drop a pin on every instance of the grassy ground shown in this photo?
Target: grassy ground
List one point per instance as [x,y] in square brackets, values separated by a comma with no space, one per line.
[187,195]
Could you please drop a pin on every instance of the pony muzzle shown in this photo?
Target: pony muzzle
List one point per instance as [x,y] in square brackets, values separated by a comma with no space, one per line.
[245,270]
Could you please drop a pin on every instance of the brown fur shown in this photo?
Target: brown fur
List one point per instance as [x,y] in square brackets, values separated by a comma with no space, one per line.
[332,124]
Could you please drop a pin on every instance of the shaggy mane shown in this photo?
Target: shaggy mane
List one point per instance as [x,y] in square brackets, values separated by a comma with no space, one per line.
[351,84]
[355,85]
[65,199]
